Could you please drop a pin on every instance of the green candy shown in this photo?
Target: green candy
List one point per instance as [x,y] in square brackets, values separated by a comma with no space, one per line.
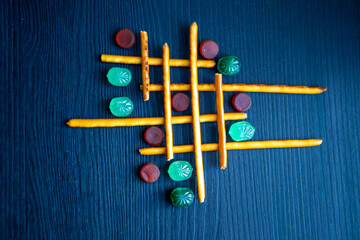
[182,197]
[229,65]
[180,170]
[241,131]
[121,106]
[119,76]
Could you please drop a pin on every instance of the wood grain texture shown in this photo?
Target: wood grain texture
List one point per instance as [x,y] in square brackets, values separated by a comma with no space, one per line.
[59,182]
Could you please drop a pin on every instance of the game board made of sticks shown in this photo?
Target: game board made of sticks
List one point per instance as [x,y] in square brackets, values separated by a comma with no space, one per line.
[220,117]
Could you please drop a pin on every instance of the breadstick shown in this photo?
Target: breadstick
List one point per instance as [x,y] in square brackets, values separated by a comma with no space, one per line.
[145,64]
[131,122]
[221,120]
[167,104]
[204,87]
[236,146]
[195,112]
[155,61]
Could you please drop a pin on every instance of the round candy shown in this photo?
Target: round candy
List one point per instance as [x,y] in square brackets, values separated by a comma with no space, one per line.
[119,76]
[241,131]
[241,102]
[149,173]
[182,197]
[153,136]
[180,102]
[180,170]
[125,38]
[208,49]
[121,106]
[229,65]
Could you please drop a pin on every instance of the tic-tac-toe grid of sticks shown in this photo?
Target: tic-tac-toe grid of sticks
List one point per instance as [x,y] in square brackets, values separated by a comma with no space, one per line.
[220,117]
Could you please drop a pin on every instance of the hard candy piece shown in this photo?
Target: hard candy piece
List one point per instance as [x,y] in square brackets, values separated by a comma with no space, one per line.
[182,197]
[149,173]
[125,38]
[241,131]
[180,102]
[229,65]
[121,106]
[153,136]
[208,49]
[241,102]
[180,170]
[119,76]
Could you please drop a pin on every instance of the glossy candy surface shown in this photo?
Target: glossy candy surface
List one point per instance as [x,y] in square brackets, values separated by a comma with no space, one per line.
[121,106]
[125,38]
[119,76]
[180,102]
[182,197]
[153,136]
[208,49]
[241,102]
[241,131]
[229,65]
[180,170]
[149,173]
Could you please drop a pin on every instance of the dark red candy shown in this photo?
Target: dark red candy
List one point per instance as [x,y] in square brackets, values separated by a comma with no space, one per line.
[125,38]
[241,102]
[209,49]
[153,136]
[149,173]
[180,102]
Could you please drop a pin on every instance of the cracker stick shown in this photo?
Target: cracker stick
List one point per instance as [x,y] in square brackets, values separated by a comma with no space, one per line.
[151,121]
[221,120]
[195,112]
[204,87]
[155,61]
[167,105]
[236,146]
[145,64]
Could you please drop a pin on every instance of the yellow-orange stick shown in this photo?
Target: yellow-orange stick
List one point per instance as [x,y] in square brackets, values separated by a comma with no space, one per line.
[155,61]
[236,146]
[167,104]
[204,87]
[195,112]
[132,122]
[221,120]
[145,64]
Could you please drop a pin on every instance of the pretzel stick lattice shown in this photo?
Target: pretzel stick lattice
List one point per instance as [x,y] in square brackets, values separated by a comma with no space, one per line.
[155,61]
[145,64]
[195,112]
[221,121]
[150,121]
[236,146]
[208,87]
[167,104]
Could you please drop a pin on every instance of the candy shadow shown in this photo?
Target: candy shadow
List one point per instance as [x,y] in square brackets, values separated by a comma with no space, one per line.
[113,37]
[167,195]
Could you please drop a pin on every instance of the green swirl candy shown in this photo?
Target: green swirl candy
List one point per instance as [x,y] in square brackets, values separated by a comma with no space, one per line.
[182,197]
[241,131]
[121,106]
[229,65]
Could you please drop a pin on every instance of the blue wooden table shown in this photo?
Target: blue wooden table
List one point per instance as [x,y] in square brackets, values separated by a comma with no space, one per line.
[59,182]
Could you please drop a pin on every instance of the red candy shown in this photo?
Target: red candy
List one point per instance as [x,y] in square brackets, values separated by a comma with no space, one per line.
[125,38]
[209,49]
[241,102]
[180,102]
[153,136]
[149,173]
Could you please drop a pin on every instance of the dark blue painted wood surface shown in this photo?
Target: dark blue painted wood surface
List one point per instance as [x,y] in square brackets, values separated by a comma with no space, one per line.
[67,183]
